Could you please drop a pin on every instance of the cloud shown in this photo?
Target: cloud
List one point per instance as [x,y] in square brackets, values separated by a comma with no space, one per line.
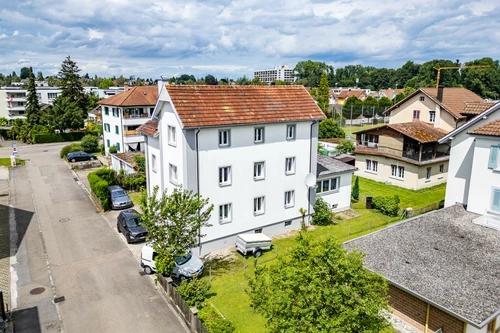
[234,37]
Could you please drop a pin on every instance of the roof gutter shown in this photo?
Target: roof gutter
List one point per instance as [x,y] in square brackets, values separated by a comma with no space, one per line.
[256,123]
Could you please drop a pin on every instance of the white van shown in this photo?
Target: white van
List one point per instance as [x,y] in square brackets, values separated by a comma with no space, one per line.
[186,267]
[253,243]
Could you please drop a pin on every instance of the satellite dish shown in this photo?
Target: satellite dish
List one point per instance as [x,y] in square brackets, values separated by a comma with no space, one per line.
[310,180]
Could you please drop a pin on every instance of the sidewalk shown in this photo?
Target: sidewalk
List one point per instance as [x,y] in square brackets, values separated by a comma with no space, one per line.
[4,236]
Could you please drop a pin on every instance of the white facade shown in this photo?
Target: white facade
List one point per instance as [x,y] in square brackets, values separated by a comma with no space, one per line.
[281,73]
[118,164]
[13,100]
[340,198]
[104,93]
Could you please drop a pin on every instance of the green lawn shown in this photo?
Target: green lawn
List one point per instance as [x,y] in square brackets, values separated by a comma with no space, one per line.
[6,161]
[229,279]
[135,196]
[355,128]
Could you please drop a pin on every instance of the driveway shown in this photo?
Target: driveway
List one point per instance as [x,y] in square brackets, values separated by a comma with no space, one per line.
[67,252]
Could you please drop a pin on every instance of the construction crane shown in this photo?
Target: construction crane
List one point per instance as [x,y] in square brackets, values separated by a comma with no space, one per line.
[453,67]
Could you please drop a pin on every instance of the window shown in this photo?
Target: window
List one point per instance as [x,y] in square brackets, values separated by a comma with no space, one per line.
[371,165]
[416,114]
[493,160]
[397,171]
[290,132]
[117,130]
[258,171]
[51,95]
[106,111]
[107,127]
[225,212]
[289,199]
[327,185]
[171,136]
[288,223]
[258,135]
[153,162]
[225,176]
[173,174]
[258,206]
[428,173]
[441,168]
[107,143]
[432,116]
[290,165]
[116,112]
[224,138]
[422,98]
[118,147]
[258,231]
[151,110]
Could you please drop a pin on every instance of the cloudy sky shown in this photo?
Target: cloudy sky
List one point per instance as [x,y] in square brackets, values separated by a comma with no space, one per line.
[234,37]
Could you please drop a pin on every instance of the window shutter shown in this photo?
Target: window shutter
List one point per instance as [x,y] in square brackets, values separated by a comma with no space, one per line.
[492,163]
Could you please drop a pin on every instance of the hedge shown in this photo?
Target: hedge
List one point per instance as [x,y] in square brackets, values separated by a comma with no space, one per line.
[99,181]
[387,205]
[60,137]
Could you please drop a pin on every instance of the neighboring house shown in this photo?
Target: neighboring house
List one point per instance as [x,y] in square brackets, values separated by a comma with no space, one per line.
[346,93]
[125,161]
[474,171]
[334,182]
[13,100]
[390,93]
[95,115]
[123,113]
[406,155]
[443,271]
[445,108]
[248,149]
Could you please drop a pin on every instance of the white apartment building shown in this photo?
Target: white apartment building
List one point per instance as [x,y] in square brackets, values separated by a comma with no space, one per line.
[13,100]
[105,93]
[281,73]
[123,113]
[246,148]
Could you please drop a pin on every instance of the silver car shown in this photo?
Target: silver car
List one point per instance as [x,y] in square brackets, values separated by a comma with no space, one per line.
[118,198]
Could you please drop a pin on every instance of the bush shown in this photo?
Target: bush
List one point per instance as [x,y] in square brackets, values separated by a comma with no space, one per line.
[59,137]
[101,148]
[112,149]
[70,148]
[387,205]
[90,143]
[100,189]
[195,292]
[133,181]
[322,214]
[345,146]
[214,322]
[107,174]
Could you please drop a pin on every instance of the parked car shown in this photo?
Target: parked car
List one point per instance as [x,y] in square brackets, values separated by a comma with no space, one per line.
[129,224]
[186,267]
[253,243]
[118,198]
[80,156]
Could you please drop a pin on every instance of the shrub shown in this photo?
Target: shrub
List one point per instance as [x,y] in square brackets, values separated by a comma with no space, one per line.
[133,181]
[70,148]
[355,189]
[112,149]
[387,205]
[214,322]
[195,292]
[107,174]
[90,143]
[141,163]
[100,189]
[101,148]
[322,214]
[345,146]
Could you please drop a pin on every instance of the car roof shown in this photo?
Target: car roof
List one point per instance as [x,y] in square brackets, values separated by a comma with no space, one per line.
[115,188]
[130,213]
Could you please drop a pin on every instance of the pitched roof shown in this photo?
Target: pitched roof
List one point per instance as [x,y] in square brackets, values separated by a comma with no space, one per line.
[441,257]
[205,106]
[454,99]
[149,128]
[128,157]
[351,92]
[417,130]
[328,166]
[490,129]
[135,96]
[475,108]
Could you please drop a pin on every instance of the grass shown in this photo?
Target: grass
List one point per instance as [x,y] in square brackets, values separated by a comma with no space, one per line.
[355,128]
[229,278]
[6,162]
[135,196]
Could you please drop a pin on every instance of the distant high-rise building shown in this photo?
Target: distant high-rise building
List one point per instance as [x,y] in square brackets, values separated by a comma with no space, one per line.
[281,73]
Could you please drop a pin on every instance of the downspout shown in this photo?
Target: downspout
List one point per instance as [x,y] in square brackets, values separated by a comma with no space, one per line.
[198,184]
[310,169]
[427,318]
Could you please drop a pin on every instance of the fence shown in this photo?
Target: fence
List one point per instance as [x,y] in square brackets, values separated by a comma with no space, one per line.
[428,208]
[190,315]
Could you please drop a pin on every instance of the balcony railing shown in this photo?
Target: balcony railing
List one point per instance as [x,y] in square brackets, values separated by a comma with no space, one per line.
[368,144]
[131,115]
[131,133]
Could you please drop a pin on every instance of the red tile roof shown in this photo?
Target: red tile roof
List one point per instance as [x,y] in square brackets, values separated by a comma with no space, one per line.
[475,108]
[454,99]
[416,130]
[348,93]
[205,106]
[136,96]
[490,129]
[150,128]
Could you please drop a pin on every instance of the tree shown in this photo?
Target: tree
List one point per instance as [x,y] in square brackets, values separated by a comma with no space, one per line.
[210,80]
[322,214]
[4,121]
[174,223]
[345,146]
[64,114]
[39,76]
[355,189]
[90,143]
[319,287]
[72,88]
[243,81]
[92,100]
[33,110]
[25,72]
[106,83]
[120,80]
[324,95]
[310,72]
[257,82]
[329,128]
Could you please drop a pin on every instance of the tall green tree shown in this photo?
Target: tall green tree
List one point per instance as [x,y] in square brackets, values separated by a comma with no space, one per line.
[25,72]
[39,76]
[319,287]
[64,114]
[355,189]
[211,80]
[174,223]
[33,109]
[106,83]
[329,128]
[324,95]
[72,88]
[309,73]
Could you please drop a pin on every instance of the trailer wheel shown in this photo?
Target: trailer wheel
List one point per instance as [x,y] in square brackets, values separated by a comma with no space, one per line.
[257,252]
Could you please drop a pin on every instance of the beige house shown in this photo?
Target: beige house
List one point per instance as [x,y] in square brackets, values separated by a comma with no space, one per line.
[406,155]
[444,108]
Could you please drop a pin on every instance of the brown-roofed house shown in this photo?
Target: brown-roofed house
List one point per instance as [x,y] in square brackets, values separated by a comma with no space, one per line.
[444,108]
[346,93]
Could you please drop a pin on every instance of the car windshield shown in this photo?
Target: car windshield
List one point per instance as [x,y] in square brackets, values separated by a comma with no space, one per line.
[133,222]
[184,259]
[119,193]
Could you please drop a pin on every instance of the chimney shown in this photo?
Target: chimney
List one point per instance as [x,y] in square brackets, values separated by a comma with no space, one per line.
[125,86]
[161,82]
[440,93]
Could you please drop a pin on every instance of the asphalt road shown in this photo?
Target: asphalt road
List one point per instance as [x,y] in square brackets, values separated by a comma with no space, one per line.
[70,250]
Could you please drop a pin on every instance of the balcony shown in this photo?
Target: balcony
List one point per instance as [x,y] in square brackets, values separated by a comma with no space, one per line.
[135,119]
[131,133]
[16,108]
[128,115]
[368,144]
[16,99]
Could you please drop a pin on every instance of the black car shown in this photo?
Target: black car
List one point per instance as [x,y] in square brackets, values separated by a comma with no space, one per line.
[118,198]
[128,223]
[80,156]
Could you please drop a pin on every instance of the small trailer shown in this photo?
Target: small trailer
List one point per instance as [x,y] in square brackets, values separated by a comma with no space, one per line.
[253,243]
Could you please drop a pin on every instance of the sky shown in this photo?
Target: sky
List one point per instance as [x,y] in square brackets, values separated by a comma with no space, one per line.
[232,38]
